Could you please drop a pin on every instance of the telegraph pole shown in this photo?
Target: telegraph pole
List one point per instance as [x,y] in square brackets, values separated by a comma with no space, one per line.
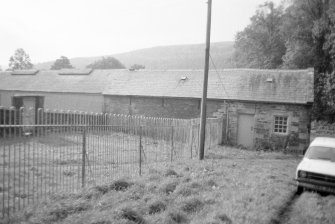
[205,84]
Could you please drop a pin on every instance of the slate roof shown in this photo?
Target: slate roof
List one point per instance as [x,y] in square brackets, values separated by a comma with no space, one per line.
[285,86]
[52,81]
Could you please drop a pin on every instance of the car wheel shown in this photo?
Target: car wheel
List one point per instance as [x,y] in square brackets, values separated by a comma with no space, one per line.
[300,190]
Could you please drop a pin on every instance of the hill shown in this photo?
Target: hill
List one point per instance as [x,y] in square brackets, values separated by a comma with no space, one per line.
[165,57]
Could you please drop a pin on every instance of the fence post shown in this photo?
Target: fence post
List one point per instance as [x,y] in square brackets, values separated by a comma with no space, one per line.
[172,143]
[191,139]
[83,177]
[140,152]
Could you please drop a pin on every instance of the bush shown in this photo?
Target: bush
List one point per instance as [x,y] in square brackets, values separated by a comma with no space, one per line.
[131,215]
[157,206]
[192,205]
[170,172]
[175,217]
[168,188]
[118,185]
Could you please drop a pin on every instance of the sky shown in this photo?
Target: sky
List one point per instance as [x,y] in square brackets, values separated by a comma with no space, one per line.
[48,29]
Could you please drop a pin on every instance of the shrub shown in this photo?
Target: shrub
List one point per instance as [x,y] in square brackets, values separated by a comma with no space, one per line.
[168,188]
[192,205]
[60,211]
[170,172]
[156,206]
[131,215]
[118,185]
[175,217]
[223,218]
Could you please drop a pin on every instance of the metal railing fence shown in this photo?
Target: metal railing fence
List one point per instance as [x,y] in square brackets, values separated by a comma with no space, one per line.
[43,152]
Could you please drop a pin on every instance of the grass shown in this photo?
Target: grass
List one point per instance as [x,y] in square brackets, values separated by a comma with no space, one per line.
[229,186]
[33,167]
[312,208]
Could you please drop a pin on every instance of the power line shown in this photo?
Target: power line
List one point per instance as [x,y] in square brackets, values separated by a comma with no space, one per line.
[219,76]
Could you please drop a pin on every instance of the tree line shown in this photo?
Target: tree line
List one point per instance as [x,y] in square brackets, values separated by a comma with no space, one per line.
[297,34]
[21,61]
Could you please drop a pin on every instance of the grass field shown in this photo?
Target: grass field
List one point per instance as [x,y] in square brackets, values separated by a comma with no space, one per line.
[229,186]
[33,167]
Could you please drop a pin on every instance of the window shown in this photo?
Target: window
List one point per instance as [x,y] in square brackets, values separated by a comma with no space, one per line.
[280,124]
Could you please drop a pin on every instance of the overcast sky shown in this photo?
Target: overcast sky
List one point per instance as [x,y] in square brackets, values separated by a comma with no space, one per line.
[47,29]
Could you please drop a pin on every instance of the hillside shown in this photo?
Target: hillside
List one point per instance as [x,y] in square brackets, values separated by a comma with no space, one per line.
[165,57]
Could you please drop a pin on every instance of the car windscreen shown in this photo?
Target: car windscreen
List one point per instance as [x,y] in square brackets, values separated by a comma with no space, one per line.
[320,152]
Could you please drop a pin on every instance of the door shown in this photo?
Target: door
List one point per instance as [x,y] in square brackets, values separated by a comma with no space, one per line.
[245,132]
[28,116]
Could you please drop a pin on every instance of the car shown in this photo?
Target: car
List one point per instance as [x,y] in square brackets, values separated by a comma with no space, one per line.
[316,171]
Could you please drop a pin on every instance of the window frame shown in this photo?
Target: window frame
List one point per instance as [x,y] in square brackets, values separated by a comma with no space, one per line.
[280,124]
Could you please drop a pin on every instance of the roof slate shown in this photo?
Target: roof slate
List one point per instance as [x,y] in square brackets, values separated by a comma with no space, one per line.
[288,86]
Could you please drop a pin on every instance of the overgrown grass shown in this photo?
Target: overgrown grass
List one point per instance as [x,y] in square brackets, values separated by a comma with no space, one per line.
[230,186]
[312,208]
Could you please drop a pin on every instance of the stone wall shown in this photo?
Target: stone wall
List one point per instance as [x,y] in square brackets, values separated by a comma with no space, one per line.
[297,137]
[184,108]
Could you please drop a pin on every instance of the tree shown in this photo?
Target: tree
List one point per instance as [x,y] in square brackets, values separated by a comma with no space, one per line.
[301,36]
[260,44]
[137,67]
[106,63]
[323,35]
[310,30]
[62,62]
[20,61]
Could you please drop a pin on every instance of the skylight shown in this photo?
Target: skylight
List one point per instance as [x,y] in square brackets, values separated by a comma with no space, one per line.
[269,80]
[75,71]
[25,72]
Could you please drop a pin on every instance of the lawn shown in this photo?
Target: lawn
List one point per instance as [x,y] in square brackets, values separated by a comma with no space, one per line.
[229,186]
[35,166]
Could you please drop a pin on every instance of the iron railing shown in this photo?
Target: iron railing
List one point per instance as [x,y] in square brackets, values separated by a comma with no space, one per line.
[44,152]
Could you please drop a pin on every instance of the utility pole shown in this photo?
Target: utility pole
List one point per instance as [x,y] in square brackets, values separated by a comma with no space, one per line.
[205,84]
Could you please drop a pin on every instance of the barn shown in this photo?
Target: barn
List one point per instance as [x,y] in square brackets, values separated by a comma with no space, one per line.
[79,90]
[268,109]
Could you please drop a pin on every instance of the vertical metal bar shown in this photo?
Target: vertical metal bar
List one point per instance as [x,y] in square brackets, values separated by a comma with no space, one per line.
[27,155]
[192,138]
[3,162]
[20,134]
[8,168]
[61,155]
[34,129]
[140,152]
[83,176]
[39,162]
[172,142]
[227,124]
[10,122]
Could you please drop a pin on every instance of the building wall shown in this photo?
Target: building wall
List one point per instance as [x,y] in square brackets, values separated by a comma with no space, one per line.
[60,101]
[297,137]
[158,107]
[264,137]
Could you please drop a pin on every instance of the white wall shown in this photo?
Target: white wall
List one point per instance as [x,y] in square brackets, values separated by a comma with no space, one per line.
[60,101]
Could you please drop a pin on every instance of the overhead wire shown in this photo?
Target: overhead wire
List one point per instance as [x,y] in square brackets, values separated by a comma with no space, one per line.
[219,76]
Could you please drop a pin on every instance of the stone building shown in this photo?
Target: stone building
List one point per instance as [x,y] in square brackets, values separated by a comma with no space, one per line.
[267,109]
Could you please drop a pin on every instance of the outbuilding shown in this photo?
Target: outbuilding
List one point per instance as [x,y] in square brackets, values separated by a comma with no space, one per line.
[266,109]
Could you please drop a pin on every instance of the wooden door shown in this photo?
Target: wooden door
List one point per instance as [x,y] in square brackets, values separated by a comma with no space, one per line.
[245,132]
